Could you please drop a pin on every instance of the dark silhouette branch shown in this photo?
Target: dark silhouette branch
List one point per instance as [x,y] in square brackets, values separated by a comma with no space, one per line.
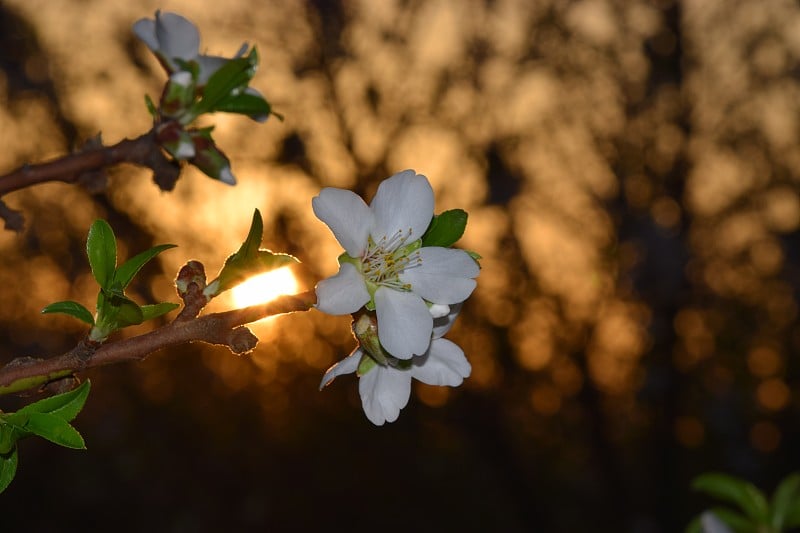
[86,167]
[224,328]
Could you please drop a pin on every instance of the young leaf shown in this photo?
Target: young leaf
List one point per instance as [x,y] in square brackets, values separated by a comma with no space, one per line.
[55,429]
[232,75]
[446,228]
[736,521]
[246,103]
[70,308]
[786,502]
[8,468]
[65,406]
[101,247]
[124,312]
[8,438]
[156,310]
[734,490]
[249,260]
[125,273]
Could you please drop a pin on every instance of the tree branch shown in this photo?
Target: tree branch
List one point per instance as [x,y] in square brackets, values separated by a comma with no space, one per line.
[83,167]
[224,328]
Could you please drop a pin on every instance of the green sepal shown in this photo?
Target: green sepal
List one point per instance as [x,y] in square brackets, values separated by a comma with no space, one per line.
[233,75]
[445,229]
[8,468]
[65,406]
[101,247]
[55,429]
[786,504]
[734,490]
[249,260]
[366,364]
[73,309]
[156,310]
[125,273]
[252,105]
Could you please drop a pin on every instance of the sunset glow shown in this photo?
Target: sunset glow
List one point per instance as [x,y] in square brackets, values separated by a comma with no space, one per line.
[265,287]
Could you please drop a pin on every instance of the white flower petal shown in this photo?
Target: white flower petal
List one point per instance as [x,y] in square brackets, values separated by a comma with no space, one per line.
[145,29]
[443,324]
[444,275]
[384,392]
[348,365]
[404,323]
[403,202]
[348,217]
[439,310]
[343,293]
[177,37]
[444,364]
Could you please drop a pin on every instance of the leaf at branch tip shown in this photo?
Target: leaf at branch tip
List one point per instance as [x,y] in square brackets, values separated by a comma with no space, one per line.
[245,103]
[70,308]
[101,247]
[127,312]
[55,429]
[155,310]
[125,273]
[249,260]
[8,468]
[233,76]
[65,406]
[734,490]
[446,228]
[786,503]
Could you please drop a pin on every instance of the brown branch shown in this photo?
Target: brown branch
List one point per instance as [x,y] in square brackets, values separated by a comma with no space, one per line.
[225,328]
[80,167]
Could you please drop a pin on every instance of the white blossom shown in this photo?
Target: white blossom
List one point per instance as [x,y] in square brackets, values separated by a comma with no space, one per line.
[385,267]
[385,389]
[173,38]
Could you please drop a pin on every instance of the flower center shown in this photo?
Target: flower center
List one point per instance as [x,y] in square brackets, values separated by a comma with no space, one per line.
[385,260]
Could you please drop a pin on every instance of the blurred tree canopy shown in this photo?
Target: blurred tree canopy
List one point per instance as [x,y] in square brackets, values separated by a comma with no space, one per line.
[631,173]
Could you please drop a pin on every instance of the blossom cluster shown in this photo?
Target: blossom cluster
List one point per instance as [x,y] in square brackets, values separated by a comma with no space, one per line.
[403,293]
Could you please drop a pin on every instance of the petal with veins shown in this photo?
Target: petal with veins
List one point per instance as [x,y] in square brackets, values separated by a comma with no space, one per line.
[348,217]
[403,202]
[384,392]
[444,275]
[444,364]
[343,293]
[404,322]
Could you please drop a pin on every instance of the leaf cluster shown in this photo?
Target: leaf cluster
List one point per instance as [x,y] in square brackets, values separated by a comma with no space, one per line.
[49,418]
[751,511]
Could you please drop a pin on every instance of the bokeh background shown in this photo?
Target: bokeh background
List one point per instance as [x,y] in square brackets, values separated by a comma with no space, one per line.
[631,172]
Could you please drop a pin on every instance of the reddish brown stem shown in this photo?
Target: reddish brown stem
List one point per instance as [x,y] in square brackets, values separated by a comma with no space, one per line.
[218,328]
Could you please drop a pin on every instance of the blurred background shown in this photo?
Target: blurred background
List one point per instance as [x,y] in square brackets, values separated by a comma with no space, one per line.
[630,169]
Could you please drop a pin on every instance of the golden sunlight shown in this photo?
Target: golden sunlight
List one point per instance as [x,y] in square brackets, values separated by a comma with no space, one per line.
[265,287]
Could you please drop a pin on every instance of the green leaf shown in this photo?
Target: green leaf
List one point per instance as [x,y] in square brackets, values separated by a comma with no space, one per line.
[125,273]
[249,260]
[734,490]
[156,310]
[8,438]
[8,468]
[446,228]
[125,311]
[101,247]
[233,75]
[70,308]
[55,429]
[786,503]
[65,406]
[252,105]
